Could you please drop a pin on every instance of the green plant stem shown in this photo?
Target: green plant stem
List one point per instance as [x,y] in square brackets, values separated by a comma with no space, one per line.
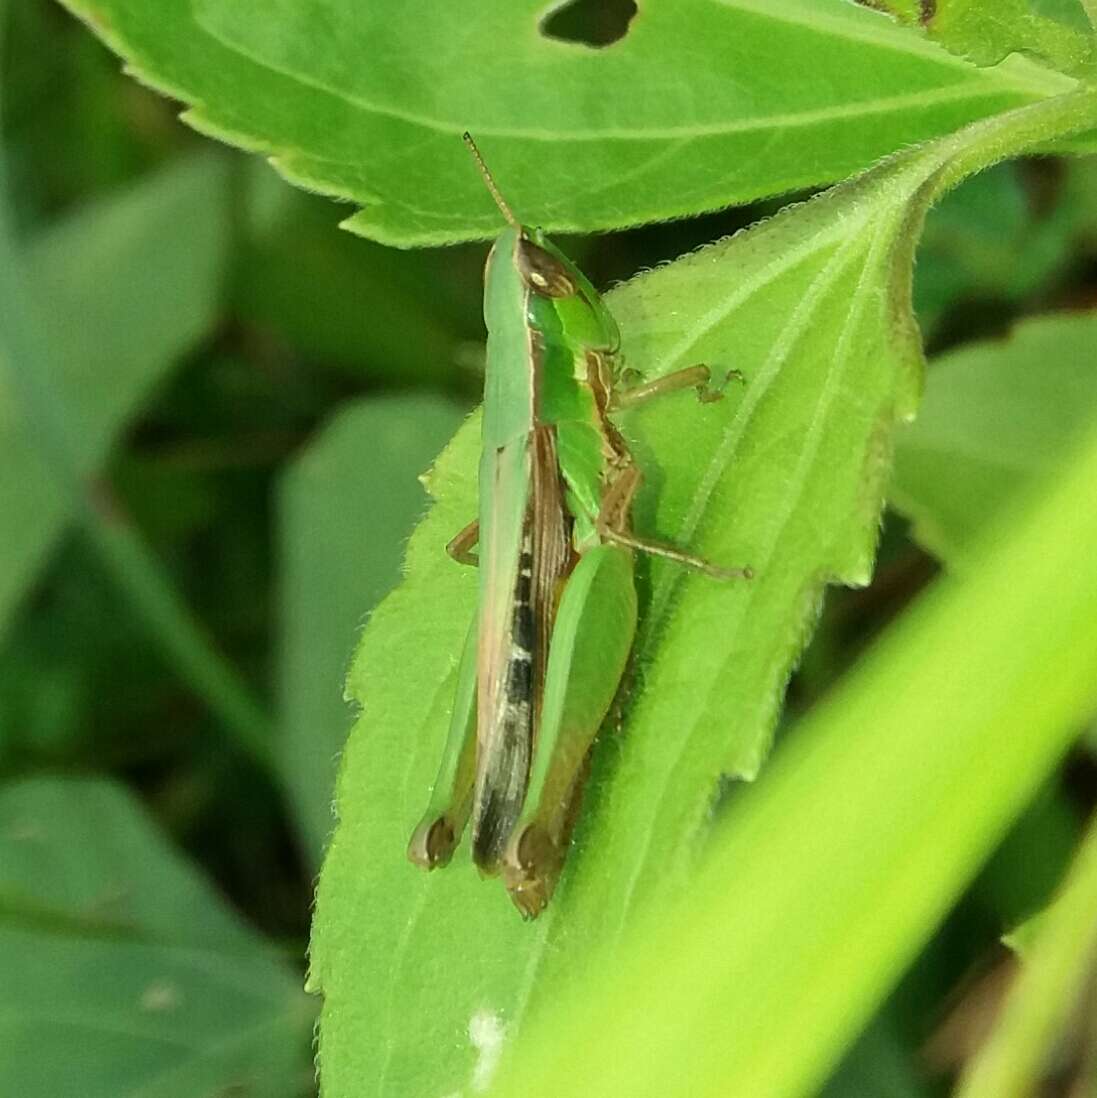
[1052,975]
[27,357]
[1014,133]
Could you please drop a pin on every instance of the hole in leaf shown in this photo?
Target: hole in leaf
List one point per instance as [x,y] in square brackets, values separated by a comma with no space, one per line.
[597,23]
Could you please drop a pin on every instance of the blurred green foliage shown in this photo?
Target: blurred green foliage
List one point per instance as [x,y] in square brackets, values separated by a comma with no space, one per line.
[209,477]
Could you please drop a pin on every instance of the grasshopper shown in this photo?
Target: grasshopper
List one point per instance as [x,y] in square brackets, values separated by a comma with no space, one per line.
[548,646]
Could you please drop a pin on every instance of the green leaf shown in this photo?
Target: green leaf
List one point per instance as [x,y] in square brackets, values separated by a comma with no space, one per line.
[1080,191]
[68,117]
[880,1064]
[1028,866]
[828,876]
[312,286]
[30,366]
[116,331]
[998,418]
[346,507]
[700,106]
[125,976]
[910,12]
[1071,13]
[1059,951]
[813,307]
[987,33]
[1021,939]
[986,241]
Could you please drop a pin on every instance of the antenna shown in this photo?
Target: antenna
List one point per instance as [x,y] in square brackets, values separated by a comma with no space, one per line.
[489,182]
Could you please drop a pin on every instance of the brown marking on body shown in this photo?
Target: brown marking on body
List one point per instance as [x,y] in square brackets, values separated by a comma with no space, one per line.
[541,271]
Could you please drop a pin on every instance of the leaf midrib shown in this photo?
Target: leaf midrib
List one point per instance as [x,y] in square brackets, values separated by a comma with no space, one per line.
[1051,83]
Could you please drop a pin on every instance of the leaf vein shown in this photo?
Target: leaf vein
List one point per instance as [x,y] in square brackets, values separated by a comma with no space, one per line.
[798,323]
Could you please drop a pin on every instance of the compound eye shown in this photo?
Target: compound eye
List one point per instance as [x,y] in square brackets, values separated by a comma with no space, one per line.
[542,272]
